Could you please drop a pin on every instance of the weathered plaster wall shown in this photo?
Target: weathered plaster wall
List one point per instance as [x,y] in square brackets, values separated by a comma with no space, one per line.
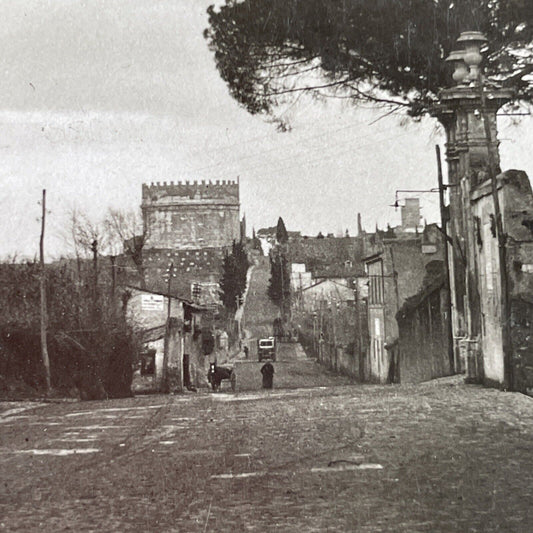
[516,203]
[192,226]
[405,268]
[148,315]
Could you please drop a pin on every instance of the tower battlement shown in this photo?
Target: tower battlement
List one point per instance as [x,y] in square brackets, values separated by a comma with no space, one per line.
[208,190]
[187,215]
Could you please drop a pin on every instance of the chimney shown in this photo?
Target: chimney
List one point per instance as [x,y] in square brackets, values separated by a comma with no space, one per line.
[411,214]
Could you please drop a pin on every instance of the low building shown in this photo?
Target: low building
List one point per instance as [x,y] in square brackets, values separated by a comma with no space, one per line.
[175,326]
[423,347]
[397,267]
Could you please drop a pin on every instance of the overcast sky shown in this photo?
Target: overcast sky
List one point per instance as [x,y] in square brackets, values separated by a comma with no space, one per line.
[98,97]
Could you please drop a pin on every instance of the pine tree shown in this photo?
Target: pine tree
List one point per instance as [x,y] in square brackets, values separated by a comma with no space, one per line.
[390,51]
[281,233]
[233,282]
[280,282]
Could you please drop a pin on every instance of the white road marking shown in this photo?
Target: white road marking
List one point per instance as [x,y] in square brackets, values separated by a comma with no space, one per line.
[234,476]
[95,427]
[112,409]
[316,470]
[16,410]
[348,467]
[92,439]
[55,451]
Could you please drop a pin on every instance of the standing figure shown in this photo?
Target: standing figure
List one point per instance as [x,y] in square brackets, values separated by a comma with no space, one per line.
[268,375]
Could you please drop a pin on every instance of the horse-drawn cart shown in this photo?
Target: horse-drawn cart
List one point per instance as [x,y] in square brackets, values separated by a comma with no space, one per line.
[217,374]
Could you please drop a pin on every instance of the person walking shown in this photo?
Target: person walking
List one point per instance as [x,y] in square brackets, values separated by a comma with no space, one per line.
[268,375]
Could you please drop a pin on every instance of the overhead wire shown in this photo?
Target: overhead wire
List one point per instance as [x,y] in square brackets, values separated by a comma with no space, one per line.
[299,140]
[233,168]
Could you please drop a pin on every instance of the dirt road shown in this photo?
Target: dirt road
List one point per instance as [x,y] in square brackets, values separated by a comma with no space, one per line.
[435,457]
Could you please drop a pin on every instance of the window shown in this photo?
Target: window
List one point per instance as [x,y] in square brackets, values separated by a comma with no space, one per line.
[376,287]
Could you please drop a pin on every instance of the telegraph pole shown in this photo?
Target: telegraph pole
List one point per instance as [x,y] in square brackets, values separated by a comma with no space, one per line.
[444,224]
[94,248]
[44,314]
[113,259]
[164,376]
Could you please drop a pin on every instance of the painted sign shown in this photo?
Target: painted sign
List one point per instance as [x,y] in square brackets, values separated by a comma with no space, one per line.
[152,302]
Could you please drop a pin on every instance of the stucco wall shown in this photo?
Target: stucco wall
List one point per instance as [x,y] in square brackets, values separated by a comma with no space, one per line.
[145,314]
[516,204]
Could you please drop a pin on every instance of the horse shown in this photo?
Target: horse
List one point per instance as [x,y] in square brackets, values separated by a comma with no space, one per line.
[217,373]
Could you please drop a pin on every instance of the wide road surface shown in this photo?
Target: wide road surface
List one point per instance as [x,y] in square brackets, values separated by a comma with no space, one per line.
[259,310]
[292,369]
[435,457]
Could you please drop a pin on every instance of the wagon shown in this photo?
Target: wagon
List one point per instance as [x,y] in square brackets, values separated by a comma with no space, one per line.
[217,374]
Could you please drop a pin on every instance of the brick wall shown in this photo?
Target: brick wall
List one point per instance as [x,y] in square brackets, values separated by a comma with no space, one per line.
[189,266]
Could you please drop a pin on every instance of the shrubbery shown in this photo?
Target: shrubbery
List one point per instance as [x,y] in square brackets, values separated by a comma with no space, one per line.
[91,347]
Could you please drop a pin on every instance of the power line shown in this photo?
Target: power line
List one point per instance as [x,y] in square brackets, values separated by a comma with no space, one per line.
[318,159]
[300,155]
[297,141]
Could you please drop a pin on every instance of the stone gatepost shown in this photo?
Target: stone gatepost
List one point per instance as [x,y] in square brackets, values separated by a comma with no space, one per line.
[173,373]
[471,156]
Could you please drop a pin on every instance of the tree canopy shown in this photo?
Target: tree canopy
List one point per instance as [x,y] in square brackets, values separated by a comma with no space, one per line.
[279,288]
[281,232]
[233,281]
[388,51]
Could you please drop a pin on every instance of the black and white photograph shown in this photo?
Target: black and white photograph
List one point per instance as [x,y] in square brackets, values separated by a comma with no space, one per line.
[266,266]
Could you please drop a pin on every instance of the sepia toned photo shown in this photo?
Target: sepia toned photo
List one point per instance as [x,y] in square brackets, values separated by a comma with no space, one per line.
[266,266]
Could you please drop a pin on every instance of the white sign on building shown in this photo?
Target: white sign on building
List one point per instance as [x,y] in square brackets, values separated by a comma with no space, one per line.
[152,302]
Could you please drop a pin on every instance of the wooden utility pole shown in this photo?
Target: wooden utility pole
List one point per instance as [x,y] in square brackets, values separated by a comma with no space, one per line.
[113,259]
[282,275]
[164,376]
[448,291]
[44,314]
[94,248]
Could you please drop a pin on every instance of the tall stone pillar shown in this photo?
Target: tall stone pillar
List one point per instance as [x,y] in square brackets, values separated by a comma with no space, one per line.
[470,155]
[173,374]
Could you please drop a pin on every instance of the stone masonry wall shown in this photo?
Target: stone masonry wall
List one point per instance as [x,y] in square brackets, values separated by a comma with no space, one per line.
[191,215]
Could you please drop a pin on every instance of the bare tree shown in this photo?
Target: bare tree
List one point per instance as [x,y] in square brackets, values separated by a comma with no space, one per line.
[126,231]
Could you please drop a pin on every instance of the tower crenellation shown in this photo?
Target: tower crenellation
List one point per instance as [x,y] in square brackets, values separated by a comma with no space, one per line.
[209,190]
[189,215]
